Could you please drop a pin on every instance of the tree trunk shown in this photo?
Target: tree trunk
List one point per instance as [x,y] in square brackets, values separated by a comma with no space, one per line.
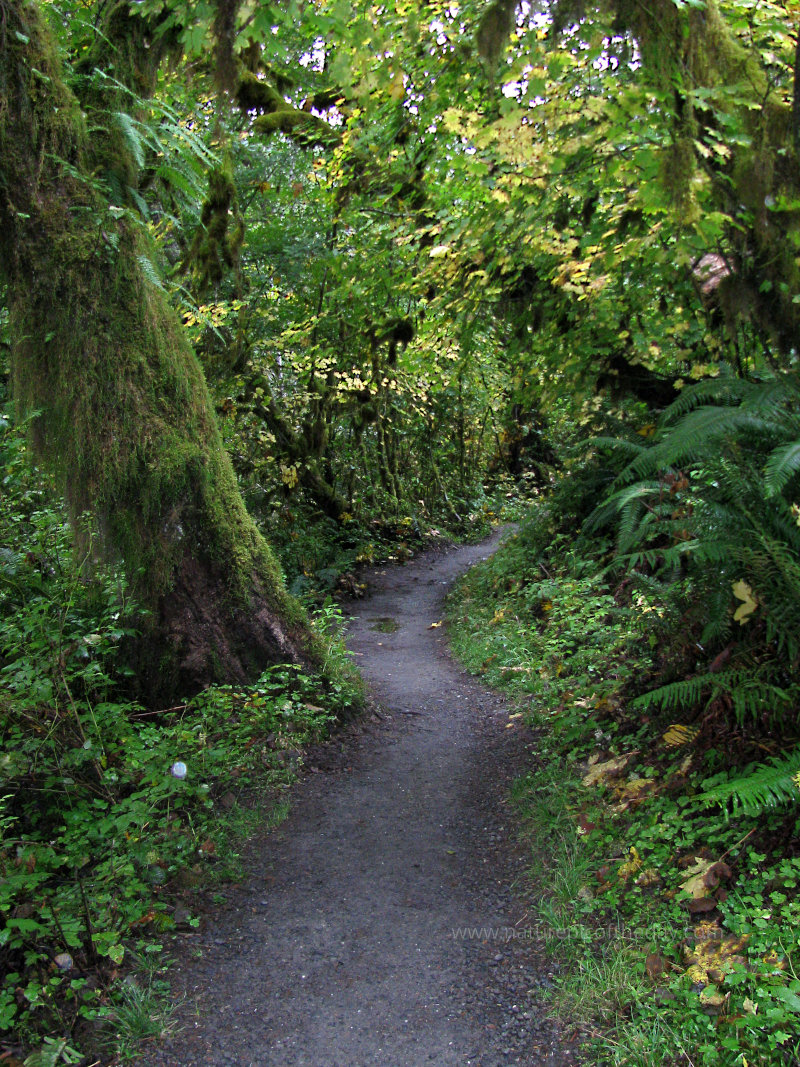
[124,413]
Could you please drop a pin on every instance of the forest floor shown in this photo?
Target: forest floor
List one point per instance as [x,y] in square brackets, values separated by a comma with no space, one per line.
[343,946]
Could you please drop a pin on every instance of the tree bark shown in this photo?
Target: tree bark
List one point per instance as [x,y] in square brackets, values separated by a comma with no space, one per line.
[124,414]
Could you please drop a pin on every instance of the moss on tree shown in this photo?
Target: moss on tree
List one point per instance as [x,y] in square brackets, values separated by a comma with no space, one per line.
[125,417]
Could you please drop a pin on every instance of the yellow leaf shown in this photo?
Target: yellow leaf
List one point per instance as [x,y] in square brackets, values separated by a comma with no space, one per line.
[609,769]
[743,592]
[630,866]
[712,998]
[711,958]
[678,735]
[694,884]
[289,475]
[434,626]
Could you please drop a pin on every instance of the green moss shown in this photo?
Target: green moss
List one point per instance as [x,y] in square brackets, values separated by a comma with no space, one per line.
[304,128]
[255,94]
[219,238]
[125,419]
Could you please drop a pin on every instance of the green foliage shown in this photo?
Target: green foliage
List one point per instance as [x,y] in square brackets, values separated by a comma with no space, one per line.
[765,788]
[379,351]
[106,807]
[656,782]
[709,507]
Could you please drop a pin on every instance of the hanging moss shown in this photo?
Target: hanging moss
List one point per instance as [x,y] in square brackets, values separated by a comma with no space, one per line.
[219,238]
[685,48]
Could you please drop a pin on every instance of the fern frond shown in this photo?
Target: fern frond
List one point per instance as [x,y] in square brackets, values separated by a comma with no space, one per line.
[697,436]
[689,691]
[150,272]
[756,699]
[617,502]
[781,467]
[185,181]
[131,135]
[766,787]
[617,444]
[722,390]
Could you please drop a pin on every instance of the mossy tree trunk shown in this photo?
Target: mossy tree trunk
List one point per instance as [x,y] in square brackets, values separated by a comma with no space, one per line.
[124,413]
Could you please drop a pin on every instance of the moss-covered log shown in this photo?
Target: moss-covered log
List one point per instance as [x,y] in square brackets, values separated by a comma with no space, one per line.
[124,413]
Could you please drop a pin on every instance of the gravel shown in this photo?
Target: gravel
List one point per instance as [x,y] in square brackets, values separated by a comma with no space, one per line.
[341,947]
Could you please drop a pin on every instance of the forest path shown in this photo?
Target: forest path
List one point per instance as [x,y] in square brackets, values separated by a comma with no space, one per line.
[339,949]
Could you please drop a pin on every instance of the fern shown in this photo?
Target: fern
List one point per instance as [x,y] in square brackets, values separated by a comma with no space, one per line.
[767,787]
[150,272]
[781,467]
[689,691]
[697,436]
[618,503]
[723,390]
[131,131]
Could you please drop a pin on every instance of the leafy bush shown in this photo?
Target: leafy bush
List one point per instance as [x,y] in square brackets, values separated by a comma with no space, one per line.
[107,807]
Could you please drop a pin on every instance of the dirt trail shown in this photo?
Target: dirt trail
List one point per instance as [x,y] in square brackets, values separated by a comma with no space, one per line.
[339,951]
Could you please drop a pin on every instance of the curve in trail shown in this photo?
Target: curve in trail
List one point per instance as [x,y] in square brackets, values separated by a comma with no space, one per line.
[346,947]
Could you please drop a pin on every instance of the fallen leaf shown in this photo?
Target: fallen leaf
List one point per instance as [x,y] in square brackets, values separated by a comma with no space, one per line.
[694,884]
[609,769]
[714,955]
[678,735]
[712,998]
[700,904]
[743,592]
[629,793]
[649,876]
[656,965]
[630,866]
[435,625]
[715,873]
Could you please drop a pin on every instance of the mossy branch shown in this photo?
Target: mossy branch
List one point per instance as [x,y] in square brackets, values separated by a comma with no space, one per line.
[275,114]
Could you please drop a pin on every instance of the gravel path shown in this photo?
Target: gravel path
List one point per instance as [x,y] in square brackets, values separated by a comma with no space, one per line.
[341,948]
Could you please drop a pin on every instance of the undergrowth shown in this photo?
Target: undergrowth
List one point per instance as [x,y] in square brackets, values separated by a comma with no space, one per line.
[323,558]
[665,807]
[112,813]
